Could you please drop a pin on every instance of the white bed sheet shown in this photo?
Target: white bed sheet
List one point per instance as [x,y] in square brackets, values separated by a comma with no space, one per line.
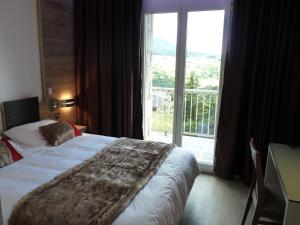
[160,202]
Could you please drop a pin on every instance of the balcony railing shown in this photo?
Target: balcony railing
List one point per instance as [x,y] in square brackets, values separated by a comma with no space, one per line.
[199,112]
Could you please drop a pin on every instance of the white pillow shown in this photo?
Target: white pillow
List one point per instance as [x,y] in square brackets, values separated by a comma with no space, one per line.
[29,134]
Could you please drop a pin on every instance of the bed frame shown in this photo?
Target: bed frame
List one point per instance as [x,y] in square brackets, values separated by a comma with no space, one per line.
[19,112]
[16,113]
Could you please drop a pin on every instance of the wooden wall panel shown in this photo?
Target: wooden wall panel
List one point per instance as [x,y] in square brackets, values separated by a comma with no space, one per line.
[57,51]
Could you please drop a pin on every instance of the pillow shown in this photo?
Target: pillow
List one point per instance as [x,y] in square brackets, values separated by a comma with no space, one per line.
[8,154]
[77,132]
[29,134]
[58,133]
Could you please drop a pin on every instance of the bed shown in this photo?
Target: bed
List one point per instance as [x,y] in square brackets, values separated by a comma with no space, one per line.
[160,202]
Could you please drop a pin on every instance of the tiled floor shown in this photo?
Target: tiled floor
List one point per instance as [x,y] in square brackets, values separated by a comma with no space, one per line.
[203,148]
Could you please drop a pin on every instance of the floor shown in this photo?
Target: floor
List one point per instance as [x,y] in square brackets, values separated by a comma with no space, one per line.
[203,148]
[214,201]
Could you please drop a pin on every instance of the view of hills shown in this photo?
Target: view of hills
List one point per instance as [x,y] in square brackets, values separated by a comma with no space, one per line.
[163,47]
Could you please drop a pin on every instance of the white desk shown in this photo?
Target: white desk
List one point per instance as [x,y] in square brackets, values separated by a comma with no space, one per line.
[283,168]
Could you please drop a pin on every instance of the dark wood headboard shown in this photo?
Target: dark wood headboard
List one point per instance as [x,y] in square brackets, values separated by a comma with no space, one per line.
[20,112]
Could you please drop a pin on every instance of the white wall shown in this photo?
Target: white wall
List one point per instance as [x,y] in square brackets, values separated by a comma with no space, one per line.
[20,75]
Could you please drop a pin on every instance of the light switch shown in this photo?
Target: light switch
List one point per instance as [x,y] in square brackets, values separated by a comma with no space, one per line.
[50,91]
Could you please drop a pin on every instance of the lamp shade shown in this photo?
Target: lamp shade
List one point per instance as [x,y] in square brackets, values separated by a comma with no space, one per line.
[66,103]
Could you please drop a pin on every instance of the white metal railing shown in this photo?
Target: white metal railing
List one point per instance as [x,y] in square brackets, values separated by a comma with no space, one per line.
[199,111]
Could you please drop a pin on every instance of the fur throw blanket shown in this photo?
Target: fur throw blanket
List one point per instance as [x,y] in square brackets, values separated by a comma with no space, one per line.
[96,191]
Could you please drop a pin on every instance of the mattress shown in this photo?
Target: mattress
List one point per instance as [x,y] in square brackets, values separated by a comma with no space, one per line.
[160,202]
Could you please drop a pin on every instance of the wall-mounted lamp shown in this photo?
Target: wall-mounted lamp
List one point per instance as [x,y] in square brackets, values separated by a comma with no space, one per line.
[66,103]
[55,104]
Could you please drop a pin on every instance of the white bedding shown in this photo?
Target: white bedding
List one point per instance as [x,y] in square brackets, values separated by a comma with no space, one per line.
[160,202]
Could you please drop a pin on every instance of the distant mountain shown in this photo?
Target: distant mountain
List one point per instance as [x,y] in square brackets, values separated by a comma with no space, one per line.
[163,47]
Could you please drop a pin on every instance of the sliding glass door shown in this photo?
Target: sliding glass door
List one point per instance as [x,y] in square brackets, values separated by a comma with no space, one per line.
[160,72]
[202,78]
[183,55]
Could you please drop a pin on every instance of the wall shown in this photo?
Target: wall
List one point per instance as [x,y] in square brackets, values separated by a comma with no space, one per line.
[175,5]
[19,52]
[57,54]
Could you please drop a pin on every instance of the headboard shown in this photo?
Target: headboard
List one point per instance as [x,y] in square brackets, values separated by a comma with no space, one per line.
[20,112]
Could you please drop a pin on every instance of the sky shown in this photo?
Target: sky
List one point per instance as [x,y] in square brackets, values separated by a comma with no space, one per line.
[204,31]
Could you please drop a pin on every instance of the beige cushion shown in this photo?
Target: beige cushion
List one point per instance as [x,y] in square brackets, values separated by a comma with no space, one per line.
[57,133]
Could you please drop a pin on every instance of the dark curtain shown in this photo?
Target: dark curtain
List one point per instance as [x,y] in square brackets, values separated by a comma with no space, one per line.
[261,92]
[108,66]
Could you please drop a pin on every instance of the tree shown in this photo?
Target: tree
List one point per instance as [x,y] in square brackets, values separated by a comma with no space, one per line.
[198,104]
[162,79]
[193,81]
[210,71]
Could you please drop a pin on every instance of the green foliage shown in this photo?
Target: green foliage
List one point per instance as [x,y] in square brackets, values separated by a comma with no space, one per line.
[210,71]
[162,79]
[162,122]
[193,81]
[198,118]
[199,109]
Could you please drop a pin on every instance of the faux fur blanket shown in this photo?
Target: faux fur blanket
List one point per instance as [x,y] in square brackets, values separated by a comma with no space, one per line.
[96,191]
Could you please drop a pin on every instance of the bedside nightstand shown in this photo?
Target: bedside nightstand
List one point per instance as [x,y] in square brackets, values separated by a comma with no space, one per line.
[82,128]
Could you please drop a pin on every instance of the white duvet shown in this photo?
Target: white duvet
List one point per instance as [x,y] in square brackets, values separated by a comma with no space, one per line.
[160,202]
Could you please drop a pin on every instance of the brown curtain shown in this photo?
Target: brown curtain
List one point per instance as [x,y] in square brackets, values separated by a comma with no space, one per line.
[261,92]
[108,66]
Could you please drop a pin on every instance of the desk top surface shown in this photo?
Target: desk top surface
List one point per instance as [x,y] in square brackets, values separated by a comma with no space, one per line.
[287,161]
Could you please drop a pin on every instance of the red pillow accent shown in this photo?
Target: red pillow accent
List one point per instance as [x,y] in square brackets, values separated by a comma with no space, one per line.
[14,153]
[76,131]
